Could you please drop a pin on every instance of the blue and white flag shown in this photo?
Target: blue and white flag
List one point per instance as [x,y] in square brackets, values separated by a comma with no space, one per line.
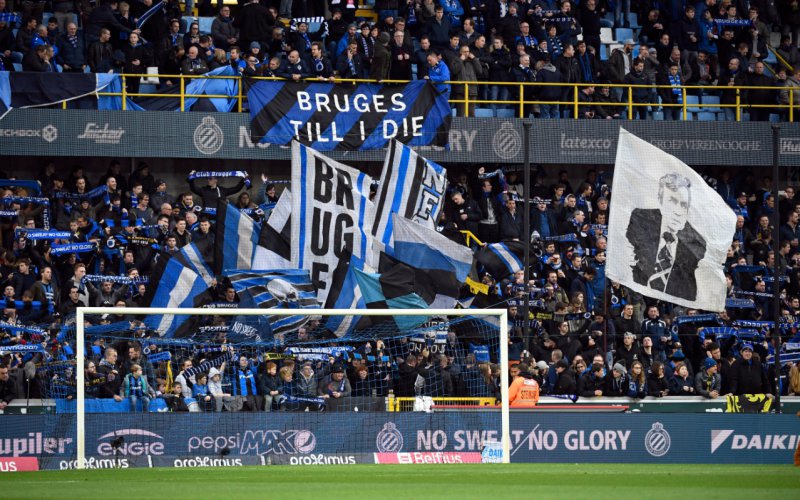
[274,250]
[190,257]
[25,89]
[445,263]
[178,287]
[236,238]
[410,186]
[501,259]
[330,205]
[345,294]
[328,116]
[280,289]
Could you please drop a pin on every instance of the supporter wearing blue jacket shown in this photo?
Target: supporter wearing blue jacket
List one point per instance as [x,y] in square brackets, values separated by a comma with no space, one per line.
[244,386]
[438,72]
[71,50]
[655,328]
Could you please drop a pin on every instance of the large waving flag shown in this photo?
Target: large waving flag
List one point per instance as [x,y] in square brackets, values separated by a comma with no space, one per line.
[410,186]
[175,285]
[502,259]
[445,263]
[393,289]
[284,289]
[670,246]
[330,204]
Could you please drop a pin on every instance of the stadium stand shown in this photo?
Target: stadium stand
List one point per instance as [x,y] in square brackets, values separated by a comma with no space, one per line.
[587,319]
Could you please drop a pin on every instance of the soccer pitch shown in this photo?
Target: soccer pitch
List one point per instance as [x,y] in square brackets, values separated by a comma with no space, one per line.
[414,481]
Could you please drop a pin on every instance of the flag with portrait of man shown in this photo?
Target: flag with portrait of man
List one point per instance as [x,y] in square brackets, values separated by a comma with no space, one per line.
[668,231]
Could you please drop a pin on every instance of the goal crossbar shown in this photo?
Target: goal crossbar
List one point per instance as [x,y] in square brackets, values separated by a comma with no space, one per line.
[81,312]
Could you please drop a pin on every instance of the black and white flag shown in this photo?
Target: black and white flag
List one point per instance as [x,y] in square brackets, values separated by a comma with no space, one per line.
[330,204]
[668,231]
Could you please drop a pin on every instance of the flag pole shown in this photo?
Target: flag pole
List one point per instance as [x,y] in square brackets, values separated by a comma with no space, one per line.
[526,227]
[777,271]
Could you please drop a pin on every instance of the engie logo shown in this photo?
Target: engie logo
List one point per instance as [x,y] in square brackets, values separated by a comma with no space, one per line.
[135,442]
[753,441]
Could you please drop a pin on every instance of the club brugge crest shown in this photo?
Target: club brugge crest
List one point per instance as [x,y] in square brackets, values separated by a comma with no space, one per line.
[657,440]
[507,142]
[389,439]
[208,137]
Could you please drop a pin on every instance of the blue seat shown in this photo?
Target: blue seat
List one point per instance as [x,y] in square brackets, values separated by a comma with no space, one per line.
[623,34]
[17,67]
[705,116]
[692,102]
[633,19]
[774,118]
[484,113]
[658,115]
[506,113]
[745,117]
[771,59]
[713,100]
[205,24]
[148,88]
[603,52]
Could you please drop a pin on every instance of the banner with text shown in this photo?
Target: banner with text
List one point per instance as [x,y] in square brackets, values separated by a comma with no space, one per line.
[329,116]
[330,210]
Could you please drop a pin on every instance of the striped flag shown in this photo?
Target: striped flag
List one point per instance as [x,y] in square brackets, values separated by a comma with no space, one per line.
[345,294]
[190,257]
[502,259]
[273,289]
[236,239]
[443,262]
[410,186]
[150,13]
[274,250]
[177,286]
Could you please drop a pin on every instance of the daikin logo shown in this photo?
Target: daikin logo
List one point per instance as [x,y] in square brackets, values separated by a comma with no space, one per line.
[753,441]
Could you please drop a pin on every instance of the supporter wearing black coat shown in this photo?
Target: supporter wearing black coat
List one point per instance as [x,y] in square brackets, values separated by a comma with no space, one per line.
[466,213]
[747,375]
[254,22]
[565,383]
[212,191]
[409,371]
[593,382]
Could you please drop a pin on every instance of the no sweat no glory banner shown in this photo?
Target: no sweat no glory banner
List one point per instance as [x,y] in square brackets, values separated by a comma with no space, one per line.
[330,116]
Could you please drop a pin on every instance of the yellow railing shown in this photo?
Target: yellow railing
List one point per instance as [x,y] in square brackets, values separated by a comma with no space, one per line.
[519,102]
[399,404]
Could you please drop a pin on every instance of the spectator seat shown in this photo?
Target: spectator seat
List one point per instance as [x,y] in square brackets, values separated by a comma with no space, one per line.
[705,116]
[692,102]
[506,113]
[606,35]
[205,24]
[484,113]
[623,34]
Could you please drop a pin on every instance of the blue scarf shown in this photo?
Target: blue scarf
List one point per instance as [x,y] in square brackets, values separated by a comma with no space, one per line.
[675,81]
[586,68]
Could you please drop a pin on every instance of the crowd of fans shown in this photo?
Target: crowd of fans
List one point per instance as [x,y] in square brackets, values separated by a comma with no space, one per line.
[585,337]
[707,43]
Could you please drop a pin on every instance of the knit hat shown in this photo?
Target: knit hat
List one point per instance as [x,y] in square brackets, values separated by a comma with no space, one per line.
[708,363]
[678,355]
[621,369]
[255,45]
[746,345]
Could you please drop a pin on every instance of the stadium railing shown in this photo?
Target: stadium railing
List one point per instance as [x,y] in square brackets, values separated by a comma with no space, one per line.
[519,103]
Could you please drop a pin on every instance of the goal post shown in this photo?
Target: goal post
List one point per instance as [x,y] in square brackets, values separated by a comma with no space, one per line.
[80,348]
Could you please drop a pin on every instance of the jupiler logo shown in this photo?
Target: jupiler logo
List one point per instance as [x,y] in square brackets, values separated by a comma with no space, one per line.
[208,137]
[657,440]
[105,135]
[389,439]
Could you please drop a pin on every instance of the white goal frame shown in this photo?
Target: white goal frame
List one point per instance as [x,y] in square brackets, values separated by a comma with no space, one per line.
[81,312]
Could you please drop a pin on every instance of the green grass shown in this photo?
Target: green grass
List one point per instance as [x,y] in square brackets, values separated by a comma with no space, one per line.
[491,482]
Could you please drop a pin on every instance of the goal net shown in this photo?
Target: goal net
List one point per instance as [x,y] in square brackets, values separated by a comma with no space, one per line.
[407,386]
